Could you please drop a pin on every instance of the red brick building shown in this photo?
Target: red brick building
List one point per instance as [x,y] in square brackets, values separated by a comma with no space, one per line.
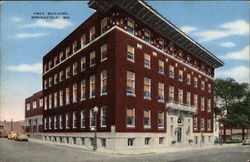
[152,84]
[34,113]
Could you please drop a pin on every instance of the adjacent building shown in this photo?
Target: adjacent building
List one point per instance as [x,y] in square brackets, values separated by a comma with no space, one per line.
[34,114]
[152,84]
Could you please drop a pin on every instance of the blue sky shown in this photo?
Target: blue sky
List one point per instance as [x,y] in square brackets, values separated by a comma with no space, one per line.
[221,27]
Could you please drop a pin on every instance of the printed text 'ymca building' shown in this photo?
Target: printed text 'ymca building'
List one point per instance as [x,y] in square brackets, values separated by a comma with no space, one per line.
[152,84]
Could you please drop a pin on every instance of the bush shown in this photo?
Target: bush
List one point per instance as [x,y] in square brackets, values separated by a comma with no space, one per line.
[233,141]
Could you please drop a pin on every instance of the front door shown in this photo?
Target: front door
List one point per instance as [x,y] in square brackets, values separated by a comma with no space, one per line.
[179,130]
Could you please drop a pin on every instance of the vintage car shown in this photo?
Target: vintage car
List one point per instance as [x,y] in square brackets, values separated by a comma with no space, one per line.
[246,141]
[21,137]
[12,135]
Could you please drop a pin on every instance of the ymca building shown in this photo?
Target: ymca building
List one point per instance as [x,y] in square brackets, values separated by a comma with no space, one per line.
[132,74]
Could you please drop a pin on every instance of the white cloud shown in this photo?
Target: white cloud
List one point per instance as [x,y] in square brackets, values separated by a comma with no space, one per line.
[29,35]
[239,27]
[35,68]
[55,24]
[227,44]
[238,55]
[188,29]
[240,73]
[16,19]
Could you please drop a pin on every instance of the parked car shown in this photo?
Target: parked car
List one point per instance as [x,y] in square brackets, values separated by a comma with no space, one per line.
[246,141]
[21,137]
[12,135]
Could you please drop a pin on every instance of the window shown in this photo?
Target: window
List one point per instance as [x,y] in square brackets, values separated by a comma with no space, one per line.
[188,99]
[67,51]
[67,120]
[209,88]
[83,40]
[45,103]
[44,67]
[188,79]
[75,92]
[75,68]
[55,122]
[50,64]
[131,141]
[161,67]
[55,78]
[103,116]
[92,59]
[171,93]
[147,118]
[202,103]
[55,60]
[202,124]
[160,92]
[104,76]
[55,99]
[161,44]
[92,34]
[147,60]
[160,120]
[34,104]
[180,96]
[147,88]
[45,123]
[209,105]
[130,27]
[130,83]
[92,86]
[67,72]
[83,63]
[195,100]
[103,142]
[83,89]
[202,85]
[130,53]
[74,46]
[50,81]
[180,75]
[61,76]
[61,97]
[83,141]
[104,54]
[60,122]
[83,119]
[195,123]
[147,36]
[50,122]
[104,25]
[130,121]
[45,84]
[67,96]
[161,140]
[74,119]
[92,118]
[209,124]
[61,56]
[50,101]
[40,102]
[171,71]
[28,106]
[195,82]
[147,141]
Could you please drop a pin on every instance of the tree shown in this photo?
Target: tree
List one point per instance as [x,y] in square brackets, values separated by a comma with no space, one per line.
[229,91]
[239,113]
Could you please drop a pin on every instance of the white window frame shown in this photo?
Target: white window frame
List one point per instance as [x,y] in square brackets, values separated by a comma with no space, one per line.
[75,68]
[34,106]
[188,98]
[180,96]
[132,91]
[161,126]
[130,27]
[203,103]
[83,89]
[74,120]
[202,85]
[28,106]
[130,56]
[55,78]
[50,101]
[83,40]
[67,96]
[202,124]
[180,75]
[40,102]
[104,25]
[209,105]
[103,116]
[91,34]
[45,102]
[171,71]
[55,100]
[147,63]
[188,79]
[92,91]
[132,125]
[67,72]
[103,52]
[103,80]
[160,68]
[61,98]
[83,116]
[171,93]
[55,121]
[60,122]
[67,121]
[149,88]
[161,91]
[149,119]
[91,64]
[61,76]
[74,92]
[83,63]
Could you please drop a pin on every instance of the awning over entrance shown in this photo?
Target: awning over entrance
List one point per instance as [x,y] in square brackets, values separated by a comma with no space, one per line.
[178,107]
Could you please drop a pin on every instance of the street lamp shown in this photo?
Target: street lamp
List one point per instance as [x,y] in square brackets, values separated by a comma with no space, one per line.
[95,137]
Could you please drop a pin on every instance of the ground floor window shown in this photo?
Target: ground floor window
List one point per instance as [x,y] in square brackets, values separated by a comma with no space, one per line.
[209,138]
[91,141]
[196,140]
[60,138]
[202,139]
[67,139]
[74,140]
[131,141]
[103,142]
[83,141]
[147,141]
[161,140]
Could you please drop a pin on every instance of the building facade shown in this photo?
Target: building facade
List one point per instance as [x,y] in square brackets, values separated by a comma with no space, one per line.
[34,113]
[152,84]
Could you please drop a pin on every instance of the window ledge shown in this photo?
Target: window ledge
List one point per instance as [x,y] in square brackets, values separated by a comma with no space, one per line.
[103,59]
[133,95]
[147,98]
[132,61]
[92,97]
[161,101]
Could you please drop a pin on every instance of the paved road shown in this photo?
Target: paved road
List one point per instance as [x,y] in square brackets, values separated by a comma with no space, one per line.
[30,151]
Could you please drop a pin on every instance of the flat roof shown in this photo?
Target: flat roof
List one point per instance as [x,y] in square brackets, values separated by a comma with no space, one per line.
[151,17]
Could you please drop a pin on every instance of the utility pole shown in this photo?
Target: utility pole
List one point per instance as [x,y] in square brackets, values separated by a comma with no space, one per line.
[11,125]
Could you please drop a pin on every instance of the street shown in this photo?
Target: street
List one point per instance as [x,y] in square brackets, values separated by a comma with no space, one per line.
[31,151]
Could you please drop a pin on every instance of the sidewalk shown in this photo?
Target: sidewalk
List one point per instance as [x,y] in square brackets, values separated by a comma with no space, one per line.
[138,152]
